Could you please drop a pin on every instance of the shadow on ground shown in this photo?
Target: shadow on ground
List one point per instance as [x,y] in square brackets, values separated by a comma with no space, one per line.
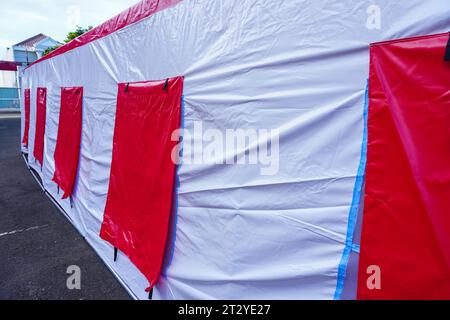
[37,243]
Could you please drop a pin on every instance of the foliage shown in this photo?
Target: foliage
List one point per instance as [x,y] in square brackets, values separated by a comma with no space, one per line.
[70,36]
[75,34]
[49,49]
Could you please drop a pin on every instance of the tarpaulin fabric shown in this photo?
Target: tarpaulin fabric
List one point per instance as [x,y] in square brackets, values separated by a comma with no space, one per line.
[141,184]
[68,142]
[299,67]
[406,225]
[39,137]
[139,11]
[27,99]
[9,65]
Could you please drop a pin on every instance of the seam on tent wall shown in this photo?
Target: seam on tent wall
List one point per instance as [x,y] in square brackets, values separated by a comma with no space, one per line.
[353,214]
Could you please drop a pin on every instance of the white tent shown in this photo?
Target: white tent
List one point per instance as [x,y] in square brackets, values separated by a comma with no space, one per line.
[298,68]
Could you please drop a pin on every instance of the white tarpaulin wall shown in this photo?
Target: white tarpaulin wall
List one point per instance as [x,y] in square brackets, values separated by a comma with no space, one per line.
[296,66]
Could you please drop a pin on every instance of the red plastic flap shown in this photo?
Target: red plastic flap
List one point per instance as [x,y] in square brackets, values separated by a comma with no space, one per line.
[9,65]
[41,105]
[26,129]
[406,225]
[67,150]
[139,202]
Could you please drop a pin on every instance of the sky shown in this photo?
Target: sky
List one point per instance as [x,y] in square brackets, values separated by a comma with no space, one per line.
[23,19]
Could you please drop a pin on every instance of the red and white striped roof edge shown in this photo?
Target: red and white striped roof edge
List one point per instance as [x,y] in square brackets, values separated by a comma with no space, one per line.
[136,13]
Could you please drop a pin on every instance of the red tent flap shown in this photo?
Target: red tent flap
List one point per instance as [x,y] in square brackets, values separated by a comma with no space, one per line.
[406,225]
[26,129]
[68,142]
[9,65]
[41,104]
[139,202]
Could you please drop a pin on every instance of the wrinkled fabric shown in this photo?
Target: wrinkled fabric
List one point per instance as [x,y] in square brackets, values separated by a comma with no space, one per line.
[406,226]
[141,184]
[296,66]
[139,11]
[27,110]
[39,137]
[67,150]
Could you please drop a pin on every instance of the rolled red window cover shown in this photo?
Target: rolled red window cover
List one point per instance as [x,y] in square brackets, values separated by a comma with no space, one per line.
[139,201]
[26,129]
[406,225]
[67,150]
[41,105]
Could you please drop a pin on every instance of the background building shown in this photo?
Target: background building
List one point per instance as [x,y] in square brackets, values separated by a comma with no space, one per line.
[21,54]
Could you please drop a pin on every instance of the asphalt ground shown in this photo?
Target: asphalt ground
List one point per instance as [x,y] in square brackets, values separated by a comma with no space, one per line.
[37,243]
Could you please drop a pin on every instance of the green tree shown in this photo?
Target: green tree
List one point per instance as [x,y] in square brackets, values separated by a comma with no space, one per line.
[70,36]
[49,49]
[78,32]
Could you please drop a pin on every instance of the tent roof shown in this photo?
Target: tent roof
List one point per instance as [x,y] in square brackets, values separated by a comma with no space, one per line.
[138,12]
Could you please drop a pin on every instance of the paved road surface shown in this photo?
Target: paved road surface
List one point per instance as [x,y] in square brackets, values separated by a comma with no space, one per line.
[37,243]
